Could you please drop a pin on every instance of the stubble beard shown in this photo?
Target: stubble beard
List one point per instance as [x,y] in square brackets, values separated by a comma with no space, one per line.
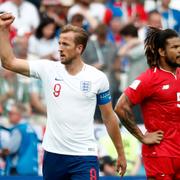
[67,61]
[171,63]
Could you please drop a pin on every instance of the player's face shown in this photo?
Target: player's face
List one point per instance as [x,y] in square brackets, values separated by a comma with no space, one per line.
[67,48]
[172,52]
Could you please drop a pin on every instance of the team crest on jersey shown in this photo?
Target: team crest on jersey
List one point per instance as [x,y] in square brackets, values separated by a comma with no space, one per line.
[85,86]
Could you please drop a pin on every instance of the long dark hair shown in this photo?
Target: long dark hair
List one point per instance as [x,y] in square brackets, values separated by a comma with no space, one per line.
[155,39]
[44,22]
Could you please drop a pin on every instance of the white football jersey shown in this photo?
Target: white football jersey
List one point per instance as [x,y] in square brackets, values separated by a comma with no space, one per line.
[71,102]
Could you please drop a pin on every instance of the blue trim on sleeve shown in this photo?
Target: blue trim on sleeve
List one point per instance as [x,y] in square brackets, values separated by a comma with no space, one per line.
[103,98]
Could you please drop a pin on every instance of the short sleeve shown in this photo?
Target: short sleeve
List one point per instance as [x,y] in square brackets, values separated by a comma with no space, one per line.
[103,96]
[38,68]
[139,89]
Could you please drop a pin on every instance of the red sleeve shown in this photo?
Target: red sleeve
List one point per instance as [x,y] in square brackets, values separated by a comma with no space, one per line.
[139,89]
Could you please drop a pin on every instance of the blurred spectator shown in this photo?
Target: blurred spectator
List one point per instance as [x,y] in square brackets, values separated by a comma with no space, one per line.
[37,3]
[37,98]
[2,1]
[77,20]
[106,148]
[26,15]
[21,149]
[92,12]
[44,44]
[57,10]
[133,52]
[4,139]
[102,54]
[133,12]
[154,20]
[8,90]
[20,45]
[170,17]
[107,166]
[150,5]
[115,25]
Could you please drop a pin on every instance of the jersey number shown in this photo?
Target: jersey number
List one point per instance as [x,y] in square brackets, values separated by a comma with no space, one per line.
[57,90]
[178,99]
[93,175]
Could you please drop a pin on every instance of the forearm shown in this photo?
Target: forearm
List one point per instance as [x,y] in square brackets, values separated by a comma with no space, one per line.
[113,130]
[128,120]
[127,117]
[6,53]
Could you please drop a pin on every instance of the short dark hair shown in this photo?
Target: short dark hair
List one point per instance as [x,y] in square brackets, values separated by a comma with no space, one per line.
[153,12]
[156,39]
[129,30]
[101,30]
[81,36]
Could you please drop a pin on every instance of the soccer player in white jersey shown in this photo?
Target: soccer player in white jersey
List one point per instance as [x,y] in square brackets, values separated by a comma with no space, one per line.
[72,89]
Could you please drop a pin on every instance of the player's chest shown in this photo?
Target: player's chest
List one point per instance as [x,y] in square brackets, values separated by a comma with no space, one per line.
[60,86]
[167,90]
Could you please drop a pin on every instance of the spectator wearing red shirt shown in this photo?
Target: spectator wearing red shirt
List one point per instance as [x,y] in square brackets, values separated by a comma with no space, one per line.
[158,92]
[133,12]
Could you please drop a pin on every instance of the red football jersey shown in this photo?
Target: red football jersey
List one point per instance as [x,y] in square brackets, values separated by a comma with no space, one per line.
[158,93]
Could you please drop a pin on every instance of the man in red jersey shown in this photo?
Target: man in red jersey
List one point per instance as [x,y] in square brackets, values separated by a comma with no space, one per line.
[158,92]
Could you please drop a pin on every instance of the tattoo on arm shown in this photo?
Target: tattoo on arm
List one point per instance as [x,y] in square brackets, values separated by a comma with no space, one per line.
[128,120]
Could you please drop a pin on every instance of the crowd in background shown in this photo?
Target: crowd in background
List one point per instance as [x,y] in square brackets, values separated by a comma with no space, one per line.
[117,29]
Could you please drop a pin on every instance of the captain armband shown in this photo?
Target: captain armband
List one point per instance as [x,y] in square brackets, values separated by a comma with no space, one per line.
[103,98]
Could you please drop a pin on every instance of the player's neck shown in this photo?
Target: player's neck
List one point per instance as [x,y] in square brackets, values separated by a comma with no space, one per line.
[168,68]
[75,67]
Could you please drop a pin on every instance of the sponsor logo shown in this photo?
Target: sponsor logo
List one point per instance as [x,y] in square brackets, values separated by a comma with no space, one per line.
[58,79]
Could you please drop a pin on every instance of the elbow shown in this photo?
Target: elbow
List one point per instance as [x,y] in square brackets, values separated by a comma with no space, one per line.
[119,110]
[6,64]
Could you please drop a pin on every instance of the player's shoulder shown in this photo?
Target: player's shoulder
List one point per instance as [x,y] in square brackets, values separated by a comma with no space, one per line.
[94,72]
[44,63]
[148,73]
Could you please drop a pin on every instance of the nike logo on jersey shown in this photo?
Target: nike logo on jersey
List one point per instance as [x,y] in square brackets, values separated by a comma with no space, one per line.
[165,87]
[58,79]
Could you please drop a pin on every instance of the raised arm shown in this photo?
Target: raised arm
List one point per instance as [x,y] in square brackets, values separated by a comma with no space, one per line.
[124,111]
[111,122]
[8,60]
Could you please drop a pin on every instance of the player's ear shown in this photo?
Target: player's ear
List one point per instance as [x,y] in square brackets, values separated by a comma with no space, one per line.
[161,52]
[79,48]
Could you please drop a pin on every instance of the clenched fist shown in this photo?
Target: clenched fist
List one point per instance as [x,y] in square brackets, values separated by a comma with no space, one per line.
[6,19]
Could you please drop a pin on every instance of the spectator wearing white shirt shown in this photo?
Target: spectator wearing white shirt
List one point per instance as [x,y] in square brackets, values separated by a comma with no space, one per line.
[27,17]
[44,43]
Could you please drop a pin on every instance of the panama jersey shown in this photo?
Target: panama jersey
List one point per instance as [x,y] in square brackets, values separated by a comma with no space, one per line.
[71,102]
[158,93]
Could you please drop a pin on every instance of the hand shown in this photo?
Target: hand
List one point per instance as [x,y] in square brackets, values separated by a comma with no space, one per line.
[153,137]
[6,19]
[121,165]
